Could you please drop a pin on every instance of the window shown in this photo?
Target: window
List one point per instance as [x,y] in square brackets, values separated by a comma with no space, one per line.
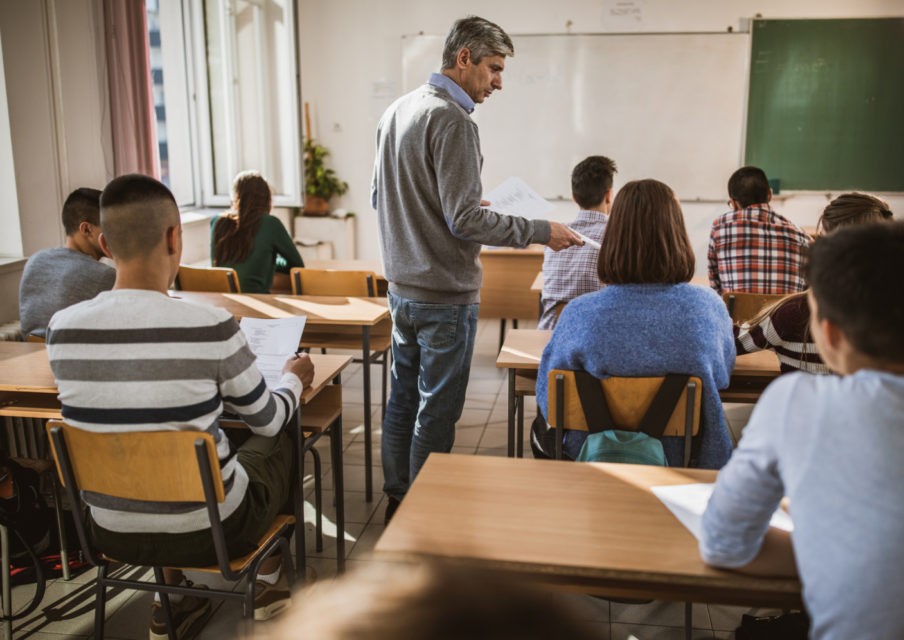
[226,96]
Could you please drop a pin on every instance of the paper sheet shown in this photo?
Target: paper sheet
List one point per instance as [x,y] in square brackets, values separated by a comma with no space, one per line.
[688,501]
[515,197]
[273,341]
[590,243]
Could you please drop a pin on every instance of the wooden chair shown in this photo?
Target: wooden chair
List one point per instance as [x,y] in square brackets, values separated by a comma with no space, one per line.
[339,282]
[628,400]
[333,282]
[744,306]
[216,279]
[33,338]
[160,466]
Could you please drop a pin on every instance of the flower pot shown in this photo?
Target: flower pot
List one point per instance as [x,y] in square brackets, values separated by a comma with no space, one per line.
[316,206]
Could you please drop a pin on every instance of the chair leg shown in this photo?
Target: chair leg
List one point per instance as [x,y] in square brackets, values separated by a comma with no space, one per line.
[335,432]
[318,499]
[100,602]
[501,333]
[61,527]
[519,427]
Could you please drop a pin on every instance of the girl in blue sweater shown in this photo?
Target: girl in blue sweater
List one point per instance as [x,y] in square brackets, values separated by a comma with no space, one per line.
[649,321]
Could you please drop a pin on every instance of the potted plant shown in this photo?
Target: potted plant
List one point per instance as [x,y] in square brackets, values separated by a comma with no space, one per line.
[320,182]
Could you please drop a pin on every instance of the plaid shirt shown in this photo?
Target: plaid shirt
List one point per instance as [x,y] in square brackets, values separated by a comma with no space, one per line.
[571,272]
[756,250]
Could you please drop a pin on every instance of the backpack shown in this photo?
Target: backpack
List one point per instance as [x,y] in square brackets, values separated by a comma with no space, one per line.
[604,444]
[29,520]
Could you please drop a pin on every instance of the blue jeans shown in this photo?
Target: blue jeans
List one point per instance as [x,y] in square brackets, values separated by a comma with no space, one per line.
[431,361]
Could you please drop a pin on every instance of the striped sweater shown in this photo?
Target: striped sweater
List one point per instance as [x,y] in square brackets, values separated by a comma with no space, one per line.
[138,360]
[786,332]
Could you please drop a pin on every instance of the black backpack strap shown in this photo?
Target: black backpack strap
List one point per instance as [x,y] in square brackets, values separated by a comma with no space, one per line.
[593,401]
[657,416]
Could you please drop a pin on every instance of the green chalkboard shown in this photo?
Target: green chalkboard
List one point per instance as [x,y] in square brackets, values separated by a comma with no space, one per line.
[825,107]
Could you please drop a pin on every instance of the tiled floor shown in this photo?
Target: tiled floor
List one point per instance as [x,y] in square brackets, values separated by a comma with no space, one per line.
[67,608]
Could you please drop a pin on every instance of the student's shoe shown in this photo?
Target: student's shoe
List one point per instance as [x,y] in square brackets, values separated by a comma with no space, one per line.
[271,599]
[391,505]
[186,612]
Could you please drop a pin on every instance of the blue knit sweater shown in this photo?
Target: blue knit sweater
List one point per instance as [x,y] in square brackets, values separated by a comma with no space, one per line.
[650,330]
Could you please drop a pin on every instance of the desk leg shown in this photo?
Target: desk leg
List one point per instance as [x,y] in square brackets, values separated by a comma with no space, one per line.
[688,620]
[338,490]
[511,413]
[368,437]
[300,559]
[7,593]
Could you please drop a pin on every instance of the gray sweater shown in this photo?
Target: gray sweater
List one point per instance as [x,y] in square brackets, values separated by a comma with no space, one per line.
[427,192]
[54,279]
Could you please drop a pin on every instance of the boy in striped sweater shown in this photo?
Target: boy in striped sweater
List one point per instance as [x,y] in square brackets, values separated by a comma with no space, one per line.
[135,359]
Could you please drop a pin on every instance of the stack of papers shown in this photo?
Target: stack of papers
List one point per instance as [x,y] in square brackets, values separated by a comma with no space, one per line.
[273,341]
[515,197]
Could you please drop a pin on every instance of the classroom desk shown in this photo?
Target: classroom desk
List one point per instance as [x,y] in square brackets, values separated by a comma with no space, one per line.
[28,390]
[521,351]
[588,527]
[335,322]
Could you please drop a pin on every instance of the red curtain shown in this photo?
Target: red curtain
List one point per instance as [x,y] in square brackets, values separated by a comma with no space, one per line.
[131,91]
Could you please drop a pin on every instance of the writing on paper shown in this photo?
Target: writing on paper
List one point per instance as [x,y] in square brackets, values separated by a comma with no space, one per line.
[515,197]
[273,341]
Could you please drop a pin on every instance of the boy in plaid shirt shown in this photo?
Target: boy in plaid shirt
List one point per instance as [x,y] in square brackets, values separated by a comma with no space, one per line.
[752,248]
[572,272]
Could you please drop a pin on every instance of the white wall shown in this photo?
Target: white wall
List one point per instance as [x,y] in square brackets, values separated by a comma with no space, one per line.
[351,70]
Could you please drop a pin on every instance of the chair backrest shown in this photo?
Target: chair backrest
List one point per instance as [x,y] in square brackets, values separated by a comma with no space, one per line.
[333,282]
[158,466]
[628,400]
[215,279]
[744,306]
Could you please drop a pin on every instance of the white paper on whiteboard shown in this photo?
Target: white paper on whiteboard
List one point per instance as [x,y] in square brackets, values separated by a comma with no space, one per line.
[688,501]
[515,197]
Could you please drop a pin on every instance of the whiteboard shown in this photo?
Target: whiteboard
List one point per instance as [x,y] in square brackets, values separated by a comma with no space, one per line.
[664,106]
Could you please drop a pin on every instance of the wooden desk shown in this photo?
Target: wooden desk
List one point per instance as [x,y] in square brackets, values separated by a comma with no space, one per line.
[522,349]
[506,290]
[28,389]
[591,527]
[337,322]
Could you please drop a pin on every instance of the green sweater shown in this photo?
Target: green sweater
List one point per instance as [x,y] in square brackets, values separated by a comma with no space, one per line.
[273,251]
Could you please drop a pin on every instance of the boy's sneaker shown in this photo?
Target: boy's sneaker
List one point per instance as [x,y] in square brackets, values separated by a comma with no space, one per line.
[186,612]
[271,599]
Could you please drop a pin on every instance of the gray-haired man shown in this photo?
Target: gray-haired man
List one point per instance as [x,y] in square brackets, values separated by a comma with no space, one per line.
[427,193]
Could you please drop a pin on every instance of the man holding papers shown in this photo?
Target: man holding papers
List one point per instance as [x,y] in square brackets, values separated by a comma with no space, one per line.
[135,359]
[833,445]
[427,193]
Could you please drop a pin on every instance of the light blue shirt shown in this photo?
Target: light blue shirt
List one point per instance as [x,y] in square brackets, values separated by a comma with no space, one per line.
[453,89]
[834,446]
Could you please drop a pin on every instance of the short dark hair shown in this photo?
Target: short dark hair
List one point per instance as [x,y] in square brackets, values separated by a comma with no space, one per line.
[135,211]
[849,272]
[591,178]
[645,240]
[748,186]
[82,205]
[853,208]
[481,37]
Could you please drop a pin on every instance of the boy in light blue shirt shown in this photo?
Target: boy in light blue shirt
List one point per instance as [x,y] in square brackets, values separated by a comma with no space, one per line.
[835,446]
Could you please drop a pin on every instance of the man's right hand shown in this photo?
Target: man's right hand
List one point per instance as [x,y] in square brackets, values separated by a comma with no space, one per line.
[561,237]
[301,365]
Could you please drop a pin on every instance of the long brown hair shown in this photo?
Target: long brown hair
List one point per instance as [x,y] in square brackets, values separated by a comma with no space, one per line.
[234,232]
[645,240]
